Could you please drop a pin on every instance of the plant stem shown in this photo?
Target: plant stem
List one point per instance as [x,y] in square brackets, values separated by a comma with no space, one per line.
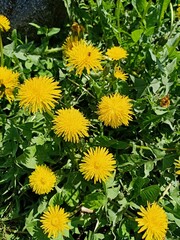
[165,191]
[148,148]
[117,13]
[52,50]
[1,50]
[50,113]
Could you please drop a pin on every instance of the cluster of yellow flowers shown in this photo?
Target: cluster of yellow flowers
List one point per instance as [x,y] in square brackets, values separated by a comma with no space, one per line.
[42,93]
[82,55]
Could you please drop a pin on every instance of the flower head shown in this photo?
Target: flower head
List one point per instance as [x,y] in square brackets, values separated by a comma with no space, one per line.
[54,221]
[115,110]
[8,82]
[165,101]
[153,221]
[42,180]
[177,165]
[4,23]
[116,53]
[97,163]
[84,56]
[71,124]
[69,43]
[39,94]
[77,29]
[178,11]
[118,73]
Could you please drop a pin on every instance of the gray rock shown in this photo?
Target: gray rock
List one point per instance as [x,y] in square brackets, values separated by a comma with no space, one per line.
[49,13]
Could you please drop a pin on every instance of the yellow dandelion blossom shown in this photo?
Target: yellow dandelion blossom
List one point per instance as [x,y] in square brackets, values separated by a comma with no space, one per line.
[153,221]
[97,163]
[178,11]
[115,110]
[42,180]
[84,56]
[8,82]
[54,221]
[118,73]
[39,94]
[177,165]
[4,23]
[71,124]
[116,53]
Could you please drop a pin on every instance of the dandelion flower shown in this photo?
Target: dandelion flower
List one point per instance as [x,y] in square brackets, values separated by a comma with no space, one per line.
[71,124]
[42,180]
[115,110]
[69,43]
[77,29]
[8,82]
[39,94]
[165,101]
[153,221]
[116,53]
[118,73]
[84,56]
[4,23]
[54,221]
[72,40]
[98,163]
[177,165]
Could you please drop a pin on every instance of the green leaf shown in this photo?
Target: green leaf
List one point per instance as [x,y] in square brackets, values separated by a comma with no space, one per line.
[171,66]
[30,223]
[136,35]
[148,167]
[28,158]
[56,199]
[168,161]
[28,64]
[155,84]
[137,184]
[113,143]
[150,193]
[112,215]
[95,200]
[53,31]
[163,7]
[112,192]
[149,31]
[140,6]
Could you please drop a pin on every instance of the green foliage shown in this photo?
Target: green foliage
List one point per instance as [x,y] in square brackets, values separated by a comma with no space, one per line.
[145,150]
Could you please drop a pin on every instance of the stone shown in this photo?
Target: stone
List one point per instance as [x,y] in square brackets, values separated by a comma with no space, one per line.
[45,13]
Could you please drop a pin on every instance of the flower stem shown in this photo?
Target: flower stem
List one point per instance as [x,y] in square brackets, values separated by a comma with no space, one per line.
[50,113]
[148,148]
[1,51]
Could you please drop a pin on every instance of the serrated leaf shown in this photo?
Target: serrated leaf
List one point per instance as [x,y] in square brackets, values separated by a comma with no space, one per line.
[150,193]
[30,223]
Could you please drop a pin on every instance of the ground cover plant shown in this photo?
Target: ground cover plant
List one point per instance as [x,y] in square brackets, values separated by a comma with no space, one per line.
[89,125]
